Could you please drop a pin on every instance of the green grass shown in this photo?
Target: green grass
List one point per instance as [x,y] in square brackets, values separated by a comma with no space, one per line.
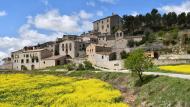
[156,91]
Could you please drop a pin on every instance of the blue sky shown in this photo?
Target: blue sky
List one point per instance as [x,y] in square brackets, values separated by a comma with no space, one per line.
[28,22]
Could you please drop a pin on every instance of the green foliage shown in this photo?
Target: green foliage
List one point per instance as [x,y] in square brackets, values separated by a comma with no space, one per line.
[155,21]
[123,55]
[171,37]
[81,67]
[88,65]
[24,68]
[131,43]
[137,62]
[70,66]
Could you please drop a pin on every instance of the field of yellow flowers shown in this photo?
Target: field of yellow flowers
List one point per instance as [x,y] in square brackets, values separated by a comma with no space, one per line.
[177,68]
[25,90]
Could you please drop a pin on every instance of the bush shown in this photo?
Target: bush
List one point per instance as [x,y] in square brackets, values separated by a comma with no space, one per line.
[80,67]
[70,67]
[24,68]
[88,65]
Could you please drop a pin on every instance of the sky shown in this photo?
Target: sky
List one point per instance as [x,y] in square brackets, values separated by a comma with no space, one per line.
[29,22]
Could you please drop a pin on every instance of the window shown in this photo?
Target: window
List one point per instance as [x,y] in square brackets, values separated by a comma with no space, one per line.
[63,47]
[44,62]
[120,34]
[37,60]
[102,26]
[22,61]
[27,55]
[108,26]
[15,60]
[70,46]
[102,21]
[27,60]
[102,57]
[32,60]
[107,20]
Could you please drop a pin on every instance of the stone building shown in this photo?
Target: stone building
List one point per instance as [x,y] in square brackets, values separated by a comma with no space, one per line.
[7,64]
[72,46]
[107,25]
[103,56]
[30,59]
[96,53]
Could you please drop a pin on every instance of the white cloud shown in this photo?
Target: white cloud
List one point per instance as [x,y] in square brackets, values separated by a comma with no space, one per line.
[91,3]
[183,7]
[2,55]
[100,13]
[108,1]
[3,13]
[55,23]
[84,15]
[134,13]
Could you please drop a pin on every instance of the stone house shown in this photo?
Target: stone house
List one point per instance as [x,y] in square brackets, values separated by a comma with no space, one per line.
[72,47]
[108,24]
[30,59]
[103,56]
[7,64]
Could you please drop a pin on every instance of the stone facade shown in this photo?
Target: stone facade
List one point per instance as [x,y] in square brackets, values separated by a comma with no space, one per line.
[7,64]
[72,49]
[107,25]
[30,59]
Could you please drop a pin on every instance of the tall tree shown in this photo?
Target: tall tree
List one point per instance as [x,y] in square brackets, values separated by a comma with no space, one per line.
[188,19]
[182,19]
[137,62]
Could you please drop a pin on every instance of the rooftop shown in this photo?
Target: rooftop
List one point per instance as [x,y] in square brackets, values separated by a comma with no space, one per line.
[114,15]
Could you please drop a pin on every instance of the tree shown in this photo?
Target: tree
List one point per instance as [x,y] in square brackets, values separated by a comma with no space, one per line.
[182,19]
[137,62]
[188,19]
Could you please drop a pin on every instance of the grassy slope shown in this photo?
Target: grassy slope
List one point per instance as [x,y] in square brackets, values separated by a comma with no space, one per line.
[157,91]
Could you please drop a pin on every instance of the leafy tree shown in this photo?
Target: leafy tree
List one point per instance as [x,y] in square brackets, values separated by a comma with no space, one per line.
[137,62]
[182,19]
[188,19]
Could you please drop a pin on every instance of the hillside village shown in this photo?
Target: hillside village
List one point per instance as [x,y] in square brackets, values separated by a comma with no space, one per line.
[105,46]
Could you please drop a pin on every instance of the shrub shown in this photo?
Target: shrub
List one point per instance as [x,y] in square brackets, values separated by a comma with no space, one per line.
[88,65]
[70,67]
[80,67]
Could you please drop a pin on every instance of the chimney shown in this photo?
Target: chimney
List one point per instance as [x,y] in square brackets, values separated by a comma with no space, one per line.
[113,13]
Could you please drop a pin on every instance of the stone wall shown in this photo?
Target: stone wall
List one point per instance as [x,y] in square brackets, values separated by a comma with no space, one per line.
[113,65]
[170,61]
